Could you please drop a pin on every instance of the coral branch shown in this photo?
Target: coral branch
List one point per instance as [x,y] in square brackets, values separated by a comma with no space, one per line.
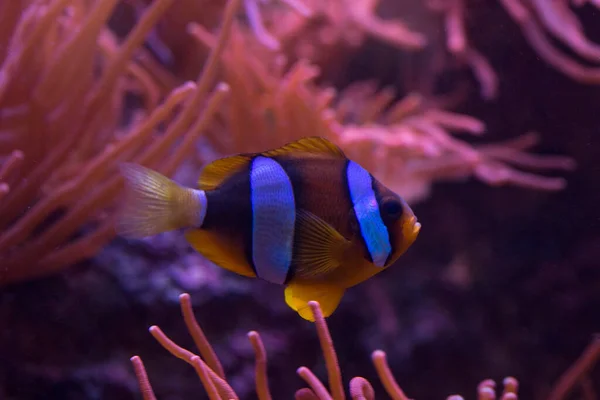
[142,377]
[560,21]
[305,394]
[123,55]
[511,387]
[331,361]
[577,371]
[262,382]
[222,386]
[361,389]
[486,390]
[9,168]
[420,149]
[385,375]
[316,385]
[362,13]
[198,335]
[201,370]
[255,19]
[66,140]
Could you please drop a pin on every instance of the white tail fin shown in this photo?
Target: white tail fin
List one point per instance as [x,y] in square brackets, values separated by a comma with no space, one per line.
[155,204]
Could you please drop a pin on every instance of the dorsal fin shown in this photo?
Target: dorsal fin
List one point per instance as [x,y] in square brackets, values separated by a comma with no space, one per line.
[217,171]
[312,144]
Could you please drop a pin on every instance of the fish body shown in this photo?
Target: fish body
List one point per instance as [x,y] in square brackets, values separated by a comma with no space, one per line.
[302,215]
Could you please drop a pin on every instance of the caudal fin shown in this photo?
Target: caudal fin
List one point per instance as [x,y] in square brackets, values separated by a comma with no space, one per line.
[155,204]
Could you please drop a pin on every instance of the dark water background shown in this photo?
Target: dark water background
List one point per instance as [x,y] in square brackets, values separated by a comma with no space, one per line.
[502,281]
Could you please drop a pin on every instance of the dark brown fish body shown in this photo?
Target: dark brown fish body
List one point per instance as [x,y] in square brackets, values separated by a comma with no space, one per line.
[302,215]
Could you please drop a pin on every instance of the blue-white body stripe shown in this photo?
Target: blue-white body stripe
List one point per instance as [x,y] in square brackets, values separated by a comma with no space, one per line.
[366,209]
[202,207]
[273,219]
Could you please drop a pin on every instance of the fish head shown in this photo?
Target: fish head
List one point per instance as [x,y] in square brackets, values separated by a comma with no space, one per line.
[401,221]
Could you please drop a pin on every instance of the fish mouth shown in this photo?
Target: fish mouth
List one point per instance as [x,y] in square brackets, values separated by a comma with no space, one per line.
[416,226]
[410,231]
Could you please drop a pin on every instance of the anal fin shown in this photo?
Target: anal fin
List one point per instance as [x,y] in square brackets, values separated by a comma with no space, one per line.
[297,296]
[220,251]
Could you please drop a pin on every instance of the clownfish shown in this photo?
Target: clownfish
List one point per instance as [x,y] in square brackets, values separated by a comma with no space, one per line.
[302,215]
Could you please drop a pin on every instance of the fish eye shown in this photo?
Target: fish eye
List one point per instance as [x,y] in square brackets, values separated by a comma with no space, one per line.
[392,208]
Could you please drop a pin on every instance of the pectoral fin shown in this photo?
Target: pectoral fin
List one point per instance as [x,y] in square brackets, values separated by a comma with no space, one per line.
[320,248]
[298,295]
